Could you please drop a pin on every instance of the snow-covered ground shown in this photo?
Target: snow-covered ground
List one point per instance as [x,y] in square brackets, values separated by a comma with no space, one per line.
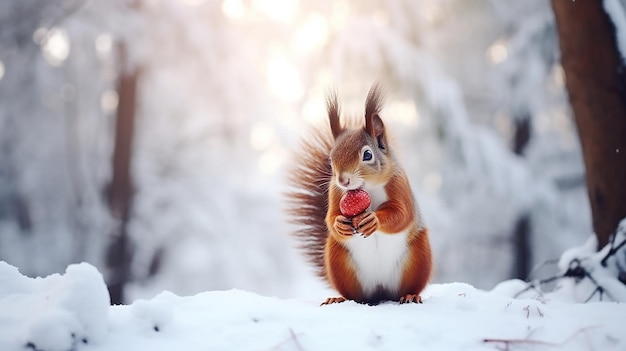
[71,312]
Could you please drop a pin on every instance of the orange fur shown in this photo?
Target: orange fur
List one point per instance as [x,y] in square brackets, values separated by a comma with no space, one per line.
[327,233]
[341,274]
[397,213]
[418,267]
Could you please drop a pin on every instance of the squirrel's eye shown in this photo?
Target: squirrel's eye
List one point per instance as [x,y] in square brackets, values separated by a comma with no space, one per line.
[367,155]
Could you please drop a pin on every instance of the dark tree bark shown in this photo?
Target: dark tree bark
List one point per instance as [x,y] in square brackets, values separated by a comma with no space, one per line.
[522,230]
[523,133]
[120,190]
[596,82]
[522,251]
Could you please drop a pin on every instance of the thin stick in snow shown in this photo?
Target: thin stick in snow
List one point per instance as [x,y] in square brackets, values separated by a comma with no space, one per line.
[292,337]
[505,344]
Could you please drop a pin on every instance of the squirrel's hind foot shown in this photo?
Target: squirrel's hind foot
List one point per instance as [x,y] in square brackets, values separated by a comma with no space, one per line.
[410,298]
[332,300]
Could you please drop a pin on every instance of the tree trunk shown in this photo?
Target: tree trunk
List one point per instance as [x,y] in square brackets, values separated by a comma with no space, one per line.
[120,190]
[596,82]
[522,230]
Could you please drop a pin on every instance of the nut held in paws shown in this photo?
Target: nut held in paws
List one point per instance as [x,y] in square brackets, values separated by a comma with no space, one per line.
[354,202]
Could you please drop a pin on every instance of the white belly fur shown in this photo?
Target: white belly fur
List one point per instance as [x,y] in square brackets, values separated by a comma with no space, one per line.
[379,258]
[379,261]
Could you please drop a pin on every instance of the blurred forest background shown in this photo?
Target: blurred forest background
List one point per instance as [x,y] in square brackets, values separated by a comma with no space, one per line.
[149,137]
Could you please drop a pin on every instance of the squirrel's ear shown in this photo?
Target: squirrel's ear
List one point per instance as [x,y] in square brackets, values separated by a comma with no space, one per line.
[374,125]
[332,104]
[376,128]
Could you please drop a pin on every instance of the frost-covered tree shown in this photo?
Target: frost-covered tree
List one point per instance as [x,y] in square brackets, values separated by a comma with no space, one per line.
[202,217]
[54,134]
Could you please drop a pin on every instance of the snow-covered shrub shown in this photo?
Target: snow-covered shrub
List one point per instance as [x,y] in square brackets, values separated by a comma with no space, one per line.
[585,274]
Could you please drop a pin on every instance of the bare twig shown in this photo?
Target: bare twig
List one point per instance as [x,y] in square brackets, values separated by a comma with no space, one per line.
[527,309]
[541,265]
[537,283]
[505,344]
[613,250]
[577,271]
[292,337]
[595,291]
[508,342]
[599,289]
[295,340]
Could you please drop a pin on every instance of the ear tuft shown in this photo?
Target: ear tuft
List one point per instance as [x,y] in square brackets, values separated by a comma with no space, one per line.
[373,105]
[334,110]
[374,125]
[378,132]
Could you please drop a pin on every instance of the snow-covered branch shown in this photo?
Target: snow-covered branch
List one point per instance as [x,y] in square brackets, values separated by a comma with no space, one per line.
[587,275]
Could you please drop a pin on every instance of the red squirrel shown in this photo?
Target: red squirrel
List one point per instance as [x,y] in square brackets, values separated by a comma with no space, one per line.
[381,254]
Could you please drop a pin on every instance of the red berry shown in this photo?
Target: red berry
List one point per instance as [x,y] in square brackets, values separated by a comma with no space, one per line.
[354,202]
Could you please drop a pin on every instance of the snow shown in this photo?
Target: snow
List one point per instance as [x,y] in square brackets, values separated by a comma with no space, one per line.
[71,312]
[53,313]
[586,274]
[616,12]
[205,213]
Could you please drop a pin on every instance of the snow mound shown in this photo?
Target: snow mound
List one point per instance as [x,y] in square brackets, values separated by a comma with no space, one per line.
[586,274]
[71,312]
[58,312]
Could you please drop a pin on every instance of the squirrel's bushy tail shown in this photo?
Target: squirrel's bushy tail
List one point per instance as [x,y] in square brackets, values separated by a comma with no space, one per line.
[307,202]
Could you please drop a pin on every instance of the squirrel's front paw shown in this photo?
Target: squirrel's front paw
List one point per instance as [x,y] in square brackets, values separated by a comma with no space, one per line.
[343,226]
[366,223]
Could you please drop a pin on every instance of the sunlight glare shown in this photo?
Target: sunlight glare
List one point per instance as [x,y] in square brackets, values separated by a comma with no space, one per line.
[56,46]
[403,112]
[109,101]
[1,69]
[39,35]
[313,34]
[278,10]
[432,14]
[314,109]
[340,13]
[104,45]
[497,52]
[283,78]
[381,18]
[261,136]
[193,2]
[233,9]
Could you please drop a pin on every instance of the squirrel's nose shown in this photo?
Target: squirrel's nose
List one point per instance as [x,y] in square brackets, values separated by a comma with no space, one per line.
[344,180]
